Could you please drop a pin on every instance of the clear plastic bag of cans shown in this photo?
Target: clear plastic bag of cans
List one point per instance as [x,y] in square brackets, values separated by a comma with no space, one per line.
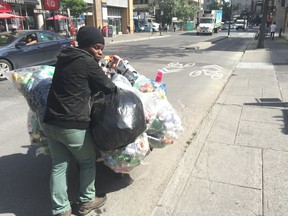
[37,136]
[34,84]
[123,160]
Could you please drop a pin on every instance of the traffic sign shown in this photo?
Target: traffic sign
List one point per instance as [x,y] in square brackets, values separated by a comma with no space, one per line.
[40,11]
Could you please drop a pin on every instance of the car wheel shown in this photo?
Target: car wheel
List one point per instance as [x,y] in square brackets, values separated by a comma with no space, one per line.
[4,67]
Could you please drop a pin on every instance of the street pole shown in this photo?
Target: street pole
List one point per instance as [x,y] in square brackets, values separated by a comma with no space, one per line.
[229,26]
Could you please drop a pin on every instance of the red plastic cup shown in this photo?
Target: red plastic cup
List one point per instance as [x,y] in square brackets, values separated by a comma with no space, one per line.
[159,76]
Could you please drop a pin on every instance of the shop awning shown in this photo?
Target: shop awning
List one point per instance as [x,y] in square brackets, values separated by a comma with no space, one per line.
[10,16]
[58,17]
[5,7]
[34,2]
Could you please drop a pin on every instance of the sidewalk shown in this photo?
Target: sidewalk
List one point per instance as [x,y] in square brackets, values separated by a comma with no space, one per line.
[238,162]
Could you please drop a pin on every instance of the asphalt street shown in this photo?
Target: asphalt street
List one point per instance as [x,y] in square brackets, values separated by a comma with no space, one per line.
[25,182]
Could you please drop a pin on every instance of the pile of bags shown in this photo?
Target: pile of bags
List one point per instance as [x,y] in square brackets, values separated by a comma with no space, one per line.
[125,126]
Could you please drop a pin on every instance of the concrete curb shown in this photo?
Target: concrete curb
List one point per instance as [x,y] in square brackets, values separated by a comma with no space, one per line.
[136,39]
[181,175]
[205,44]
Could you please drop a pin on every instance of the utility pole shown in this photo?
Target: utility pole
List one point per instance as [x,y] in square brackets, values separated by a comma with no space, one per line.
[230,15]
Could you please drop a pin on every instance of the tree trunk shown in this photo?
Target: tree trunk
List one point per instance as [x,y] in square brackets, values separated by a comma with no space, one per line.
[263,25]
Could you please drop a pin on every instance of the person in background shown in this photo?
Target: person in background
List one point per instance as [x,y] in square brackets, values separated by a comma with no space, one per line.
[174,27]
[165,27]
[272,30]
[77,77]
[31,39]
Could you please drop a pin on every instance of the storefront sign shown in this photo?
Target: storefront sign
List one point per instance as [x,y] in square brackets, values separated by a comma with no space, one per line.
[51,4]
[39,11]
[14,1]
[5,7]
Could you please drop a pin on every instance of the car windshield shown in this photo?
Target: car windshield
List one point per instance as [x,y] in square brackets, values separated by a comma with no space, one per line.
[8,37]
[206,21]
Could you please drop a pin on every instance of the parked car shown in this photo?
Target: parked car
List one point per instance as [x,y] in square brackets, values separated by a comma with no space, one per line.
[15,52]
[155,27]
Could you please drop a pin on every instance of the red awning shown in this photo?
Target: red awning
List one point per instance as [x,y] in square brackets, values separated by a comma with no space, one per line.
[5,7]
[58,17]
[10,16]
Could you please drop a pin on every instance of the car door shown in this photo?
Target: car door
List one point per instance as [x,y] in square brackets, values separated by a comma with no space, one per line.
[26,55]
[50,46]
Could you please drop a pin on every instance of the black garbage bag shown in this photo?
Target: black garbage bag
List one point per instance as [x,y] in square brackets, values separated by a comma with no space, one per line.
[116,119]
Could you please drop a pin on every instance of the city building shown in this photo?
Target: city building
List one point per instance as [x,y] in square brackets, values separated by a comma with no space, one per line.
[243,5]
[23,8]
[280,16]
[116,14]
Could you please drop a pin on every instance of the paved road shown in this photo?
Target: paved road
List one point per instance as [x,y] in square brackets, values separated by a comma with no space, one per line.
[24,185]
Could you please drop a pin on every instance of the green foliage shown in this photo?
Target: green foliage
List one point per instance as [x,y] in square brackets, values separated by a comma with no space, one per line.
[77,7]
[226,11]
[215,6]
[176,8]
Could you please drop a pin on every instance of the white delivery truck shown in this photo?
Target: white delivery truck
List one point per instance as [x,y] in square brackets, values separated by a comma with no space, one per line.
[210,22]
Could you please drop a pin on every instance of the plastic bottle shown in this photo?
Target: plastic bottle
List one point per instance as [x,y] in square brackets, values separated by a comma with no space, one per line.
[159,76]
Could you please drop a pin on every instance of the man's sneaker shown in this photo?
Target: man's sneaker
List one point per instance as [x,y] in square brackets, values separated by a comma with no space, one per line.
[67,213]
[85,208]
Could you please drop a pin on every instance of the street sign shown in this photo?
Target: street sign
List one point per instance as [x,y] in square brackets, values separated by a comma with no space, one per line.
[51,4]
[40,11]
[151,10]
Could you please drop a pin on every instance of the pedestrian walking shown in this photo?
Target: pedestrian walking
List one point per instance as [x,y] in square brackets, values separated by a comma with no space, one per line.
[272,30]
[160,29]
[174,27]
[165,27]
[77,77]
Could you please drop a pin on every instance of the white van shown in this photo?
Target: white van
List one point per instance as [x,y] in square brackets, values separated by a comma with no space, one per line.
[155,26]
[241,24]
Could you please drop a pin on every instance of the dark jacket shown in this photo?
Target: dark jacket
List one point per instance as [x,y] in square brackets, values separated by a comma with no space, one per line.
[77,76]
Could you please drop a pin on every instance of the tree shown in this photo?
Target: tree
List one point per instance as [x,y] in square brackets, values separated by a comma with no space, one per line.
[174,8]
[263,25]
[226,11]
[185,11]
[77,7]
[214,5]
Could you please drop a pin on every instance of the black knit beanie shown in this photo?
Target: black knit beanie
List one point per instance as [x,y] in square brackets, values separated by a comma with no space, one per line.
[89,35]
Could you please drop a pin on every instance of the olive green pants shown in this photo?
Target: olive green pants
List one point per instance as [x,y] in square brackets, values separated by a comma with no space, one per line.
[63,143]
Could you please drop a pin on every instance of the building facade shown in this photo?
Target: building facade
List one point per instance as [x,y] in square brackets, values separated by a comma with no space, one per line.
[100,13]
[23,8]
[280,16]
[116,13]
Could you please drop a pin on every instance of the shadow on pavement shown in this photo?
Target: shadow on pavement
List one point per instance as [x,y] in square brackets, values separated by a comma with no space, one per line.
[274,102]
[24,183]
